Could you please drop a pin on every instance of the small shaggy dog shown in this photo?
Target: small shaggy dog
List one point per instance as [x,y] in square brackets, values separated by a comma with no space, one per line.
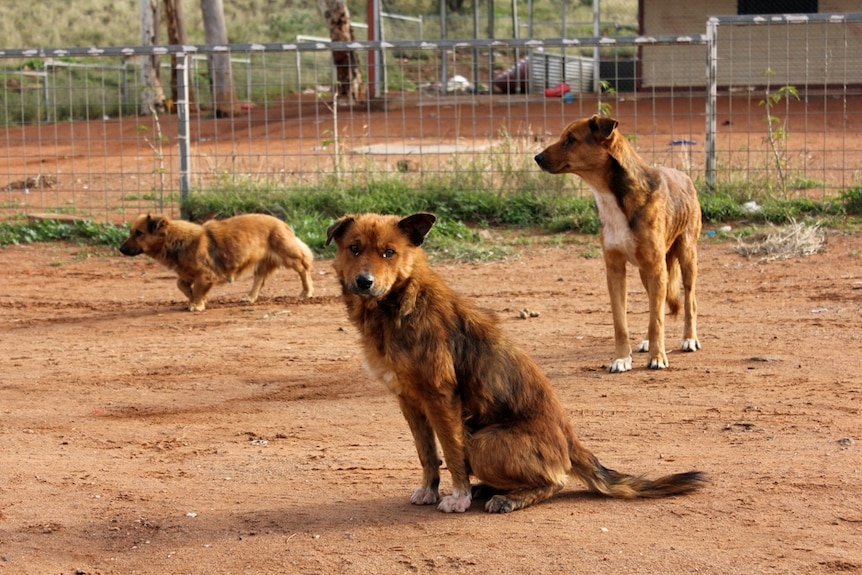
[219,251]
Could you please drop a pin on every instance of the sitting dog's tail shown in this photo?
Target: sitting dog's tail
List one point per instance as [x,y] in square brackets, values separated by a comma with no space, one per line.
[621,486]
[673,299]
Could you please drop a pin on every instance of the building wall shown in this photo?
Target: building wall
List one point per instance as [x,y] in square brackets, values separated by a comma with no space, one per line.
[781,54]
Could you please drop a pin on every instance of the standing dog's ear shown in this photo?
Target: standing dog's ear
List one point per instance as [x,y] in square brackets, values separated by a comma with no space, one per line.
[417,226]
[154,224]
[338,228]
[602,127]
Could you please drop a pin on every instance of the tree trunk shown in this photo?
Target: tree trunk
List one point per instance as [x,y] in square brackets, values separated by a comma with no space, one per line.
[177,36]
[152,96]
[221,80]
[347,73]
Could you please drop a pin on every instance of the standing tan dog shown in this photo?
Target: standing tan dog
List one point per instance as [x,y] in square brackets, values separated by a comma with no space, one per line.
[219,251]
[650,218]
[459,378]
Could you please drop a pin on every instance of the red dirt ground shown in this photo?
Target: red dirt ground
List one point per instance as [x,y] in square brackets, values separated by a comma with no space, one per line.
[141,438]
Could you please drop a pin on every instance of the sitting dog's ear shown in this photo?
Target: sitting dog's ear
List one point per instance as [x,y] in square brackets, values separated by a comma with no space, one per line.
[338,228]
[602,127]
[417,226]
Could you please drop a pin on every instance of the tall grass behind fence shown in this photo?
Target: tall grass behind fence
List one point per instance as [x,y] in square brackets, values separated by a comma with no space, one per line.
[448,114]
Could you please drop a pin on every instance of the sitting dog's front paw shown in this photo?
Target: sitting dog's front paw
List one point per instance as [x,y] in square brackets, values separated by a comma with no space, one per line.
[455,503]
[423,496]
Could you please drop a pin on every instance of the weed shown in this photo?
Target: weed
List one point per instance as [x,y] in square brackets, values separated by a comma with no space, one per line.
[157,146]
[605,108]
[776,128]
[83,231]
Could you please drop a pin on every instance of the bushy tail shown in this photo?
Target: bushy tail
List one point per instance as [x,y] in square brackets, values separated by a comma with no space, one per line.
[308,255]
[621,486]
[673,299]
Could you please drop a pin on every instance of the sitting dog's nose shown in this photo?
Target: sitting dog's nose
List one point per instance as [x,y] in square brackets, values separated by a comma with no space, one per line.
[540,158]
[364,281]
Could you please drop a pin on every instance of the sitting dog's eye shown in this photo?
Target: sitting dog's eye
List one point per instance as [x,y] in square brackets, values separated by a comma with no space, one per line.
[570,140]
[354,249]
[138,233]
[388,253]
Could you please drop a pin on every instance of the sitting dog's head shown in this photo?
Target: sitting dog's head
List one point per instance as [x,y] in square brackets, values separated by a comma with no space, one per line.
[375,252]
[584,145]
[146,236]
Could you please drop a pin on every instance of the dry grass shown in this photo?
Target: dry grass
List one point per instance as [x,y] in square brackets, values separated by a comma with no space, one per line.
[797,239]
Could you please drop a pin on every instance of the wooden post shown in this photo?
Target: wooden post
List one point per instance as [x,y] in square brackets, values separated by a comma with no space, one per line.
[177,36]
[218,63]
[152,95]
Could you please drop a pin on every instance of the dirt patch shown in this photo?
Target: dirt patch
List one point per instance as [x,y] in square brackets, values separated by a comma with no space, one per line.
[141,438]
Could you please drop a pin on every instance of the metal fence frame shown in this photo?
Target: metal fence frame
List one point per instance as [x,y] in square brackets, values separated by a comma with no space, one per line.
[187,54]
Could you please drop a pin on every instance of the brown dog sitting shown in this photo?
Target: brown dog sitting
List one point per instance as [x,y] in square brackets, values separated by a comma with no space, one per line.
[459,378]
[219,251]
[650,218]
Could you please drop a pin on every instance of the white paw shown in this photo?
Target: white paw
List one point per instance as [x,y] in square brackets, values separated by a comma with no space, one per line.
[690,345]
[423,496]
[658,363]
[643,346]
[621,364]
[455,503]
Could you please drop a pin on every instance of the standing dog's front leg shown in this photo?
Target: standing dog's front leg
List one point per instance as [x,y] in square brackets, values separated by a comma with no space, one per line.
[615,268]
[426,447]
[185,287]
[200,290]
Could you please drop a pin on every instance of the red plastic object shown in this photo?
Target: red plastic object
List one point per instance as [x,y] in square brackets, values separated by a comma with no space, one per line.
[558,90]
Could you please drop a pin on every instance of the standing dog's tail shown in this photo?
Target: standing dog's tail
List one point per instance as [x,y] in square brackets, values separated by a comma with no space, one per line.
[673,300]
[621,486]
[308,255]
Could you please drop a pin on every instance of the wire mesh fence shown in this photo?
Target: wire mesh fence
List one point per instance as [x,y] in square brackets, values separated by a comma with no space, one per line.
[76,140]
[789,116]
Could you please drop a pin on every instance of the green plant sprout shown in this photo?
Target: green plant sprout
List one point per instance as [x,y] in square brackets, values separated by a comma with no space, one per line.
[776,128]
[606,87]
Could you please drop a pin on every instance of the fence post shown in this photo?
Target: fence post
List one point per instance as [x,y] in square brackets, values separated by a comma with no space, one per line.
[711,96]
[183,128]
[45,91]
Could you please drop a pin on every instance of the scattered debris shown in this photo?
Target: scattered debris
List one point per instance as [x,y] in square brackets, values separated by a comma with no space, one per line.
[62,218]
[794,240]
[33,182]
[751,207]
[458,84]
[407,166]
